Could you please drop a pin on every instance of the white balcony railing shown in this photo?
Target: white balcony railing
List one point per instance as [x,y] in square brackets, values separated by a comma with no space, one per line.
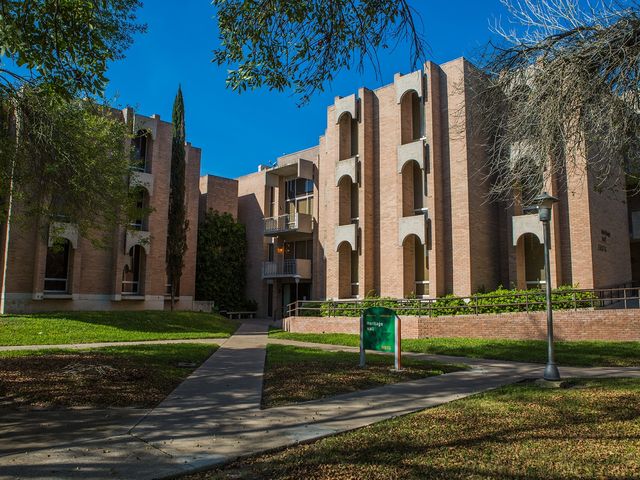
[293,268]
[291,222]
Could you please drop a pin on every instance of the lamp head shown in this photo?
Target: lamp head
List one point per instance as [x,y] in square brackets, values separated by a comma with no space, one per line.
[544,202]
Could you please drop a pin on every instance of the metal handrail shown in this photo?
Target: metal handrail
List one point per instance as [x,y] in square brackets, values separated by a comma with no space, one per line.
[534,300]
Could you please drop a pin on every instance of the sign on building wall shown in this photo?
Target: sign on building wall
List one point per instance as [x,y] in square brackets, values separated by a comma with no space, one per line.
[380,331]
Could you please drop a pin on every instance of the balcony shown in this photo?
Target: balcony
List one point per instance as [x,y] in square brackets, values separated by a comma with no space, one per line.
[294,268]
[347,233]
[288,223]
[411,151]
[142,179]
[138,237]
[66,230]
[415,225]
[349,168]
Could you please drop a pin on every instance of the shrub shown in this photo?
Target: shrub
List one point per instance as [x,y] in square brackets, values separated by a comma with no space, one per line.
[501,300]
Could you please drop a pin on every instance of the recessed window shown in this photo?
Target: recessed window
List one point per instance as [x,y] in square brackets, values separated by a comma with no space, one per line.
[139,154]
[56,276]
[132,273]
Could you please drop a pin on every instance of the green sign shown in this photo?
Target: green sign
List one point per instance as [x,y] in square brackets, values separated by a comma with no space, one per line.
[379,329]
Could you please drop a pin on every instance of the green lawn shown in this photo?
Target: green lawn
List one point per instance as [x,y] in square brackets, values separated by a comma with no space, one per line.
[578,354]
[85,327]
[127,376]
[296,374]
[521,431]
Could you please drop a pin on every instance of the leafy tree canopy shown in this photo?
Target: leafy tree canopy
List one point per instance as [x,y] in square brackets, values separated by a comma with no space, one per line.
[302,44]
[564,84]
[222,251]
[67,162]
[65,43]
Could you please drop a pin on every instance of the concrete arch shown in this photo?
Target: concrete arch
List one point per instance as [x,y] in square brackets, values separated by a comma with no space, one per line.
[62,230]
[409,82]
[523,224]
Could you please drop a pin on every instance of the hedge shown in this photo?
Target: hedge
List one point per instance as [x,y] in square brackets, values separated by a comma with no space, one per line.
[498,301]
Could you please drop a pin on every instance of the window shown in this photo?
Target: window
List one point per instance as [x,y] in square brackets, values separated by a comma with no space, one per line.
[141,198]
[131,275]
[302,249]
[421,269]
[56,276]
[355,211]
[299,196]
[272,202]
[139,154]
[355,281]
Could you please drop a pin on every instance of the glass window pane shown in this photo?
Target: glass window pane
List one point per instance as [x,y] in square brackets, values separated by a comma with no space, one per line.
[303,206]
[290,189]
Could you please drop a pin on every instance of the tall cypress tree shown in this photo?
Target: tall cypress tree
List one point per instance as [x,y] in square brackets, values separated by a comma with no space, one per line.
[178,224]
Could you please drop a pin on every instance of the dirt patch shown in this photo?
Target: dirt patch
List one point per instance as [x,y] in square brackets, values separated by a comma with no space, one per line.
[83,380]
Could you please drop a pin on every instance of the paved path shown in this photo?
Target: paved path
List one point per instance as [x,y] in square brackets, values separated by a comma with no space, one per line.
[215,416]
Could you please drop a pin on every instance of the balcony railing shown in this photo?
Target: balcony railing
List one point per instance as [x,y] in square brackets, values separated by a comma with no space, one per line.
[291,222]
[293,268]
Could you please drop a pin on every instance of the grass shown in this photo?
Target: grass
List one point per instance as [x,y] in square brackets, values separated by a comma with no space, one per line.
[296,374]
[521,431]
[577,354]
[84,327]
[126,376]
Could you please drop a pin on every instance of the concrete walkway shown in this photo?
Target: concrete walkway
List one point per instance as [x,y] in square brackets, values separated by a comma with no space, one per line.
[215,416]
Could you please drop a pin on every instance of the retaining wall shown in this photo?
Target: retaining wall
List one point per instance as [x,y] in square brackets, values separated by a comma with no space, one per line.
[584,324]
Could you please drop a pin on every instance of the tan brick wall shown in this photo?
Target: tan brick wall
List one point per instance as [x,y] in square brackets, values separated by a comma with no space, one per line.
[605,325]
[219,193]
[95,272]
[251,208]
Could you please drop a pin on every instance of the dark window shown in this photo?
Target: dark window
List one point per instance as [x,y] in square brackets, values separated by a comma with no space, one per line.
[131,273]
[56,276]
[140,145]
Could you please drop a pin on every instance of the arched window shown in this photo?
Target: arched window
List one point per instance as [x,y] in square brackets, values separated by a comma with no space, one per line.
[412,189]
[141,209]
[411,117]
[133,272]
[56,275]
[348,132]
[533,261]
[416,267]
[348,206]
[348,271]
[140,151]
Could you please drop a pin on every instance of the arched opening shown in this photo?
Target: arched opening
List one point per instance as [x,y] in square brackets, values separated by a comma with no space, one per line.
[140,215]
[348,207]
[140,151]
[415,267]
[133,272]
[533,261]
[412,189]
[56,274]
[410,117]
[348,271]
[348,132]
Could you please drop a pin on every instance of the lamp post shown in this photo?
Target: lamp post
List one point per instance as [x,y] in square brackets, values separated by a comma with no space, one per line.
[545,202]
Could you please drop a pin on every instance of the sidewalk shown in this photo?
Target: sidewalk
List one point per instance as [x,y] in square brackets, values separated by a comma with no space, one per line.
[215,416]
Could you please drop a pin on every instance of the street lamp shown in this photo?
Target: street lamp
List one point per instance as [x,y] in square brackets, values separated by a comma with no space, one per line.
[545,202]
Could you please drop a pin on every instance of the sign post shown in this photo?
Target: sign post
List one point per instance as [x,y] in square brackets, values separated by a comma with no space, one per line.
[380,330]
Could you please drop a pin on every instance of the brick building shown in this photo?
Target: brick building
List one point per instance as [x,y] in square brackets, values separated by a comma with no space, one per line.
[129,274]
[393,201]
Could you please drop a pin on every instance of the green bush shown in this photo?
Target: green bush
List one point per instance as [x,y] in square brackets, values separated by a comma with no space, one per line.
[500,300]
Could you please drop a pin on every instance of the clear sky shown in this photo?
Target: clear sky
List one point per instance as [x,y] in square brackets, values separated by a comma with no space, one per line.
[239,131]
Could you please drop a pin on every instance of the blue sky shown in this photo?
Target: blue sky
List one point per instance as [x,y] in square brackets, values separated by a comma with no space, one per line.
[239,131]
